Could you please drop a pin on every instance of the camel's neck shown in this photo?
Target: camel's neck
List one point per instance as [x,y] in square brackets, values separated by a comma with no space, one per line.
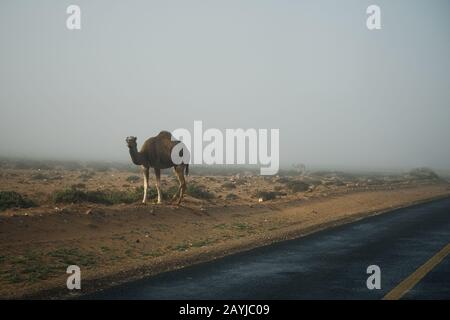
[137,157]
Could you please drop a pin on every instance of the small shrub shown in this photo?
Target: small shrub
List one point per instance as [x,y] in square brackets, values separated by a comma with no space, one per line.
[152,194]
[242,226]
[116,197]
[283,180]
[269,195]
[12,199]
[108,197]
[198,191]
[297,186]
[169,193]
[78,186]
[232,196]
[70,195]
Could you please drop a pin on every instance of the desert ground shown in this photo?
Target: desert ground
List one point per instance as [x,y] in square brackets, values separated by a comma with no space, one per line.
[55,214]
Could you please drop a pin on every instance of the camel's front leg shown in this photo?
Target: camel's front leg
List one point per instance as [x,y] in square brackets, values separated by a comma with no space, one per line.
[158,183]
[146,174]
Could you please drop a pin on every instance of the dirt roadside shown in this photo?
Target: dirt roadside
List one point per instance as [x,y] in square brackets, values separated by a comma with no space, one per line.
[127,242]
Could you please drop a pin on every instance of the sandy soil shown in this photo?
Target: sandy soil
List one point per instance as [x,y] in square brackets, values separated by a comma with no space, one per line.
[122,242]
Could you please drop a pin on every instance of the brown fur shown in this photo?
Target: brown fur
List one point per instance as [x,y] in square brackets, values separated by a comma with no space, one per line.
[156,153]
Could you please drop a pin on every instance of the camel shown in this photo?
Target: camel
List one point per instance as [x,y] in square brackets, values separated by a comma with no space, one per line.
[156,153]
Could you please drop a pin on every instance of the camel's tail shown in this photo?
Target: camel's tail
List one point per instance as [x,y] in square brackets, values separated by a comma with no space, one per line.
[187,169]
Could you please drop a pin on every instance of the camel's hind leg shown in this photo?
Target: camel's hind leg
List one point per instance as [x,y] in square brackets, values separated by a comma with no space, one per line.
[158,183]
[179,172]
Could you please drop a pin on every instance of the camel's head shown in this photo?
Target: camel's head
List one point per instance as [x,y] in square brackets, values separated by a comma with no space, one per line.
[131,142]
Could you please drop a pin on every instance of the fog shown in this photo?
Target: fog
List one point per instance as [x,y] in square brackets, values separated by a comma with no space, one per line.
[341,95]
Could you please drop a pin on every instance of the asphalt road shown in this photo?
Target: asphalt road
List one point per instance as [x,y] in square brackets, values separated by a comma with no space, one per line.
[329,264]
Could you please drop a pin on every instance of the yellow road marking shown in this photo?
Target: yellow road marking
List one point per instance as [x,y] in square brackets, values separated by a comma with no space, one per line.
[407,284]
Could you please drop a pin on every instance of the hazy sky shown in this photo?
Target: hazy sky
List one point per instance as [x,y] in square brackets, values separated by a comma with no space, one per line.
[340,94]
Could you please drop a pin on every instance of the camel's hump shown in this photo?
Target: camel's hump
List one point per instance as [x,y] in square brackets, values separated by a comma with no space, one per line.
[165,134]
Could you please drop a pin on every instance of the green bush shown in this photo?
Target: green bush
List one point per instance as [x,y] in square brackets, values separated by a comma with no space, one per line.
[78,186]
[284,180]
[199,192]
[269,195]
[169,193]
[152,194]
[12,199]
[109,197]
[232,196]
[297,186]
